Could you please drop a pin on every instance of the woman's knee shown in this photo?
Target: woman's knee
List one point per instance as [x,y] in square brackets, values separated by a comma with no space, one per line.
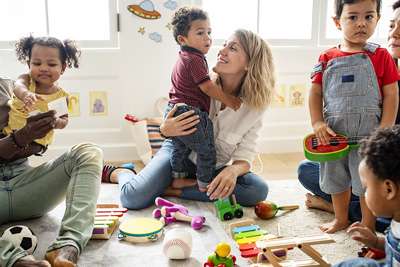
[307,170]
[133,194]
[87,152]
[254,190]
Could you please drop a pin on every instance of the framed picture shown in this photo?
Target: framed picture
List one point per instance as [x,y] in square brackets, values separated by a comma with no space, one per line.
[98,103]
[297,95]
[74,105]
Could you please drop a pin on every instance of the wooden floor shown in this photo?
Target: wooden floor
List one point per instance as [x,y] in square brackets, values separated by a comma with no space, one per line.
[269,166]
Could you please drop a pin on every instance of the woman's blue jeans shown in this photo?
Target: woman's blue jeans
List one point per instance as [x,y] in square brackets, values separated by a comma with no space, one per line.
[139,191]
[308,175]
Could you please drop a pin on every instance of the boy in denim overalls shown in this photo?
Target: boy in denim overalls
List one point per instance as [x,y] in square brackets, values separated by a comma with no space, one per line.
[380,175]
[354,90]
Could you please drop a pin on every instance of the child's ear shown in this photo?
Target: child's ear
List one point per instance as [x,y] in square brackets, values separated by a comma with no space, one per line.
[181,39]
[391,189]
[64,66]
[337,23]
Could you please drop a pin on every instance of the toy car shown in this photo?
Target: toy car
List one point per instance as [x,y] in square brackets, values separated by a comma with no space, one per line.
[228,208]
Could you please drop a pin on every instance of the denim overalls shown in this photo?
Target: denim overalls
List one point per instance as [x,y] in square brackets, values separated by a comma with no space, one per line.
[392,250]
[352,107]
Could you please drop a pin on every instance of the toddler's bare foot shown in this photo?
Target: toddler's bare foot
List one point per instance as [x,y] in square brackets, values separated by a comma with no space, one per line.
[63,257]
[183,182]
[333,226]
[316,202]
[29,261]
[172,192]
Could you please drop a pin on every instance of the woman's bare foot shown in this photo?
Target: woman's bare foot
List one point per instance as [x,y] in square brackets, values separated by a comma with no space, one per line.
[63,257]
[316,202]
[30,261]
[333,226]
[172,192]
[183,182]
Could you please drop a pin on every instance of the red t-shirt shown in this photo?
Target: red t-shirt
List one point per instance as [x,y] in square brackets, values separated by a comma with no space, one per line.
[384,65]
[190,71]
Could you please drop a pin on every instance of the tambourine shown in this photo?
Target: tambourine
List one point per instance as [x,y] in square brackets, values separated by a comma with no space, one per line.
[140,230]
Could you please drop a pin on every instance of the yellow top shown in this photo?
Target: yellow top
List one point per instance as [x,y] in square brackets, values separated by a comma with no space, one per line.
[17,115]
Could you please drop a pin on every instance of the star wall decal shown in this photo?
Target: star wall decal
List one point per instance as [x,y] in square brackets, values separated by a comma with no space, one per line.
[141,30]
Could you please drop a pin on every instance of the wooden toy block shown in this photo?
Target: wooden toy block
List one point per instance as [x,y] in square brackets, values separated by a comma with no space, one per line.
[246,228]
[106,214]
[242,223]
[108,210]
[106,220]
[304,244]
[103,229]
[249,234]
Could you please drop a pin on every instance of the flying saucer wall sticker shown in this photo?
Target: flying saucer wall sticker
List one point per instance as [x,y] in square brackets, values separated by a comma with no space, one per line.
[145,10]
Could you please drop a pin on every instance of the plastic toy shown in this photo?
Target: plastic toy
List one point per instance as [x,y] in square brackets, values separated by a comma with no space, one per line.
[339,146]
[106,220]
[267,209]
[170,212]
[371,253]
[221,257]
[21,236]
[228,208]
[304,244]
[131,118]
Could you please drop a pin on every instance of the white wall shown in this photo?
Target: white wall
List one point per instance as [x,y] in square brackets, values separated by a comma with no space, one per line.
[138,73]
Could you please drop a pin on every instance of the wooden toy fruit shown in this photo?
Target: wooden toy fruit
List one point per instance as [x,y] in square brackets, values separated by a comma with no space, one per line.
[267,209]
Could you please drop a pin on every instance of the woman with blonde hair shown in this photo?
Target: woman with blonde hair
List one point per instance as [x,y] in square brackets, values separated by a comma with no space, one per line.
[244,68]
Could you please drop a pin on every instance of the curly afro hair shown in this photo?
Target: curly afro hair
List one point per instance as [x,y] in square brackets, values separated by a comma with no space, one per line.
[182,20]
[381,152]
[69,52]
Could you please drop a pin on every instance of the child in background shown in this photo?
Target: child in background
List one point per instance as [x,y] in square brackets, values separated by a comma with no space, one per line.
[47,59]
[354,90]
[380,176]
[191,90]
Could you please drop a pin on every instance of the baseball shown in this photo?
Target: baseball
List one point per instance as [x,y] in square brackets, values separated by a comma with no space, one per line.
[177,244]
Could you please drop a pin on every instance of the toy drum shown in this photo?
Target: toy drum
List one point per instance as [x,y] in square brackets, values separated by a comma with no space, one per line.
[140,230]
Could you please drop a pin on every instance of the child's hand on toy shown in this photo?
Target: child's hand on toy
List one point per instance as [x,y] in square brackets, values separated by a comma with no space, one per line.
[29,100]
[363,234]
[323,132]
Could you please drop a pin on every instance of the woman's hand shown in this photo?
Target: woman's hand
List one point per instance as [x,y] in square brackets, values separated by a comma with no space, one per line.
[36,127]
[183,124]
[223,184]
[364,235]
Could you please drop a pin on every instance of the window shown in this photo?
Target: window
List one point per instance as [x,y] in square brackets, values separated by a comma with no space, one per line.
[91,22]
[284,22]
[291,20]
[229,15]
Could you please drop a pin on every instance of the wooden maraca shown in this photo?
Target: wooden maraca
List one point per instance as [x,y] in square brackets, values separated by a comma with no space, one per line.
[267,209]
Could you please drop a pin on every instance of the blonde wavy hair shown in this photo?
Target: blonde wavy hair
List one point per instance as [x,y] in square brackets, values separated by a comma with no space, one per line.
[259,82]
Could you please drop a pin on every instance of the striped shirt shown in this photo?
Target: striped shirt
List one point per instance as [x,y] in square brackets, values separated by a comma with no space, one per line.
[189,72]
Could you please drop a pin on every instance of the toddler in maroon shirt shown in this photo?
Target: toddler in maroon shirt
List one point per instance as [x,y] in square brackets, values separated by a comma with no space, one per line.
[191,90]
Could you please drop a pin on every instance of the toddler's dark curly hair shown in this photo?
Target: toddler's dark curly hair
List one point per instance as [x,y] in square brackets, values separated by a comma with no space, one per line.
[69,52]
[182,20]
[381,152]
